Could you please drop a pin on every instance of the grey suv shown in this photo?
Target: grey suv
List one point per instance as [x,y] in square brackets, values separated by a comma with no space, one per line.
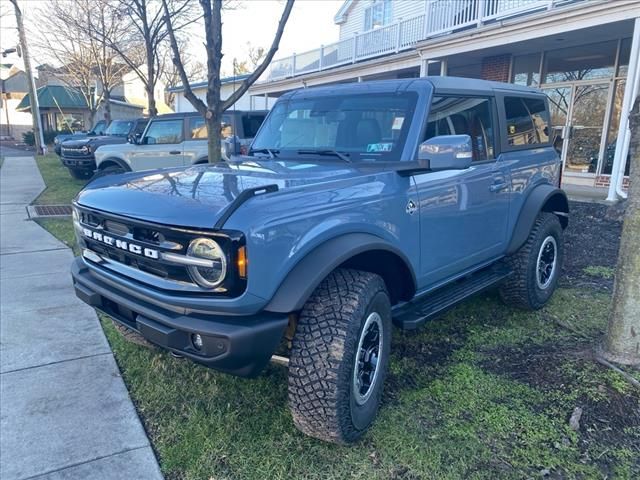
[179,139]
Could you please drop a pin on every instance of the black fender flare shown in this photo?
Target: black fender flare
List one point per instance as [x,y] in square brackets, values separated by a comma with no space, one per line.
[115,160]
[314,267]
[201,161]
[546,198]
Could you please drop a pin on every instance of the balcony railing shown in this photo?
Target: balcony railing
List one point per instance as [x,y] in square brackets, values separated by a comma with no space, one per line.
[441,17]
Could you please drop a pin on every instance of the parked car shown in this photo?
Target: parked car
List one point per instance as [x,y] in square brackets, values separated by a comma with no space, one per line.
[180,139]
[357,206]
[78,155]
[98,129]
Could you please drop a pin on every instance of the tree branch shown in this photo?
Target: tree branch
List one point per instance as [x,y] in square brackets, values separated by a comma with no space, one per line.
[244,86]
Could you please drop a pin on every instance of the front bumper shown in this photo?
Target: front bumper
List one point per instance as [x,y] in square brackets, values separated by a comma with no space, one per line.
[239,345]
[79,163]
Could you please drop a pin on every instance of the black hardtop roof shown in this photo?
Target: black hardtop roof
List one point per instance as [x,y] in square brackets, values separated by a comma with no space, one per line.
[448,84]
[169,116]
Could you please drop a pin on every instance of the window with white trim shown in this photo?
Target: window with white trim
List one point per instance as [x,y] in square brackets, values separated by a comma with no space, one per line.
[378,14]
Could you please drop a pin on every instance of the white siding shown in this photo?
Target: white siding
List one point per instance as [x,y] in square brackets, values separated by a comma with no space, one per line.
[399,9]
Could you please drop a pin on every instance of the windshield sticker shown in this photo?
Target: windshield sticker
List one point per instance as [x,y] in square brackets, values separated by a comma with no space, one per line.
[379,147]
[397,123]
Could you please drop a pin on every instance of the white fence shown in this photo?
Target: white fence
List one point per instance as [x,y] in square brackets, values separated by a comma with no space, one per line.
[441,17]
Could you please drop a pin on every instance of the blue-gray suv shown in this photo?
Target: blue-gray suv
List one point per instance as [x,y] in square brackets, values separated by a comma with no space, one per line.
[357,207]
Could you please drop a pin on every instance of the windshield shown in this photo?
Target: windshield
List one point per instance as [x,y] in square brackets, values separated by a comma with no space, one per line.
[364,126]
[119,127]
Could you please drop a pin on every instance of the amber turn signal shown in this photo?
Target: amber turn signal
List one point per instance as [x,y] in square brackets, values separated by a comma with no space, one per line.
[242,262]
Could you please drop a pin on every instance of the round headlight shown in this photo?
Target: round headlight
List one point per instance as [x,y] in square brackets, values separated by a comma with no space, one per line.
[207,249]
[86,149]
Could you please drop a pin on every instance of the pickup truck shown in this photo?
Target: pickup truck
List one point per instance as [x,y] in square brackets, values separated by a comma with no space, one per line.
[357,207]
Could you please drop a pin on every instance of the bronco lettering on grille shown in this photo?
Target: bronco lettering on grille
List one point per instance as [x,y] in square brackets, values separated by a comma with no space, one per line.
[121,244]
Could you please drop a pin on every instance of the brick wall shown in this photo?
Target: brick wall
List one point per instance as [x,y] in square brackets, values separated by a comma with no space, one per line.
[496,68]
[605,181]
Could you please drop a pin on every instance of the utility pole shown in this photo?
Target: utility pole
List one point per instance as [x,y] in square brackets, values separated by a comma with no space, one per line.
[33,94]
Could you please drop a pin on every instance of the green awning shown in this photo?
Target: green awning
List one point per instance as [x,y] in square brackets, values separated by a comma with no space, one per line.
[66,97]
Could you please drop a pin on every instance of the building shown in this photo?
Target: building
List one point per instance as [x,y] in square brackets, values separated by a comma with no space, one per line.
[64,108]
[227,87]
[13,87]
[582,53]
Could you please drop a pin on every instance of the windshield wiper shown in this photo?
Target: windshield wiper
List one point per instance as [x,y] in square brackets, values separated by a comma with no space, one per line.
[273,153]
[341,155]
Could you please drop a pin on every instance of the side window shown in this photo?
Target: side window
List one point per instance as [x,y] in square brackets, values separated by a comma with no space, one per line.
[251,123]
[140,126]
[198,128]
[540,115]
[527,121]
[464,116]
[163,132]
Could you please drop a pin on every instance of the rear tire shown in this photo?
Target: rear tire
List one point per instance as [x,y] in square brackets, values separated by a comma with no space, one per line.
[340,356]
[536,266]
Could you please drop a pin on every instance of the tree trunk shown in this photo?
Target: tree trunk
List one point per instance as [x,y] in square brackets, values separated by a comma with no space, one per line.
[106,98]
[622,344]
[213,140]
[150,86]
[213,28]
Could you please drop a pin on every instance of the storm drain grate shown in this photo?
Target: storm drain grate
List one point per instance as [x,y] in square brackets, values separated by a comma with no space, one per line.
[36,211]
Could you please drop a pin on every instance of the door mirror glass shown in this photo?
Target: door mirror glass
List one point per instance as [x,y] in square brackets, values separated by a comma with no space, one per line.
[446,152]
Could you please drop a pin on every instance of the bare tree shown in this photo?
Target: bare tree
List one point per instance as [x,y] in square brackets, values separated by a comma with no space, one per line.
[622,343]
[142,26]
[196,70]
[249,64]
[214,106]
[67,34]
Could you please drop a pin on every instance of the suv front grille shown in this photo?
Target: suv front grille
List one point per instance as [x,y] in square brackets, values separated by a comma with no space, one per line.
[135,249]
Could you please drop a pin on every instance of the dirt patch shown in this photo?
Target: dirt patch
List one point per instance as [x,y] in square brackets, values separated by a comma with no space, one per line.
[610,419]
[592,240]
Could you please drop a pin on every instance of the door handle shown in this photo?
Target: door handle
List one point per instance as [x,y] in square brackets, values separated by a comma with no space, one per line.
[175,152]
[496,187]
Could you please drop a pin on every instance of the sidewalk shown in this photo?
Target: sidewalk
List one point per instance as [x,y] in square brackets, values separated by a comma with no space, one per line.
[64,410]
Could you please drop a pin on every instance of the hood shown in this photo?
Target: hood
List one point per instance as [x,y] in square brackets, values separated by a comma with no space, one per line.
[95,140]
[198,196]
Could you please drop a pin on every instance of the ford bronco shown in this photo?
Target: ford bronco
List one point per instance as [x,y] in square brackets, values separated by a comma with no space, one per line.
[179,139]
[357,207]
[79,155]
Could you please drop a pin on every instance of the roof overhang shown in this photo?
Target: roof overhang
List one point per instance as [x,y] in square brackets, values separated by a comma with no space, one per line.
[341,15]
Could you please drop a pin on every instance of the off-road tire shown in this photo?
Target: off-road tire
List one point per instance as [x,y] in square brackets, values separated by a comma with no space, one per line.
[521,289]
[324,348]
[79,174]
[132,336]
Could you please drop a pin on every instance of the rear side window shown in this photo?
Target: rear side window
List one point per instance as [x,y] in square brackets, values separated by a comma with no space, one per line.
[198,128]
[463,116]
[251,123]
[527,121]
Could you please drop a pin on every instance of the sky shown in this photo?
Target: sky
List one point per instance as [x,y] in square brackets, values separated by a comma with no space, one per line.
[255,21]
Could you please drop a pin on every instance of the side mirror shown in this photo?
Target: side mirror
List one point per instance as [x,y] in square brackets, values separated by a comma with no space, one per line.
[446,152]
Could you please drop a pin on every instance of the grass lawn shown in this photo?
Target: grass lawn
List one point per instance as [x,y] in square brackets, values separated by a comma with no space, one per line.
[483,392]
[61,187]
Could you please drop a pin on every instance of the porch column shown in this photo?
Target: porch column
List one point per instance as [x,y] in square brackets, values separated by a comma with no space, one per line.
[424,67]
[630,94]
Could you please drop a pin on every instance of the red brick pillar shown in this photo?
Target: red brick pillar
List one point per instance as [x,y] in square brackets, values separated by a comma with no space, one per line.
[496,68]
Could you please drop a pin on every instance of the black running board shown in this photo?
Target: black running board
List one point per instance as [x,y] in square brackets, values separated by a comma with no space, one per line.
[411,315]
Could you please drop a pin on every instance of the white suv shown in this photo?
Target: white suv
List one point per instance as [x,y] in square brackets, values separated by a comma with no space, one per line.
[178,139]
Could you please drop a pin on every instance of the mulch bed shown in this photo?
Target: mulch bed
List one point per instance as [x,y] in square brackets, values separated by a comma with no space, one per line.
[592,240]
